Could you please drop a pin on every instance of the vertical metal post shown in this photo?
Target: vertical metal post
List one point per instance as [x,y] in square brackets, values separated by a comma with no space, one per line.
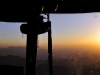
[31,50]
[31,46]
[50,49]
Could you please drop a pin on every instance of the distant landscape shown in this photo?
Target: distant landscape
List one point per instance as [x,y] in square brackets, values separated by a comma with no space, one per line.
[21,51]
[72,63]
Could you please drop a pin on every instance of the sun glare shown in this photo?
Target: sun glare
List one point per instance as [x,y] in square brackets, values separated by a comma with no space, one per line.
[98,38]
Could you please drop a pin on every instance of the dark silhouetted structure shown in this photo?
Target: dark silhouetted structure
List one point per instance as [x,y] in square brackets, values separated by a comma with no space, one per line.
[11,70]
[29,11]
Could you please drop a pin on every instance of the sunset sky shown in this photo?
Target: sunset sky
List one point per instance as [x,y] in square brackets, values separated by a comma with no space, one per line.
[67,29]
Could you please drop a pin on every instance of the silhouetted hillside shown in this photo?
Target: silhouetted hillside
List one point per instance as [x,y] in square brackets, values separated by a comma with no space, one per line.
[42,54]
[60,66]
[64,63]
[21,51]
[16,51]
[12,60]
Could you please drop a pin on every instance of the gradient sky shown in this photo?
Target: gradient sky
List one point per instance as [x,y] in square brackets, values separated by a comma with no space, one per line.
[67,29]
